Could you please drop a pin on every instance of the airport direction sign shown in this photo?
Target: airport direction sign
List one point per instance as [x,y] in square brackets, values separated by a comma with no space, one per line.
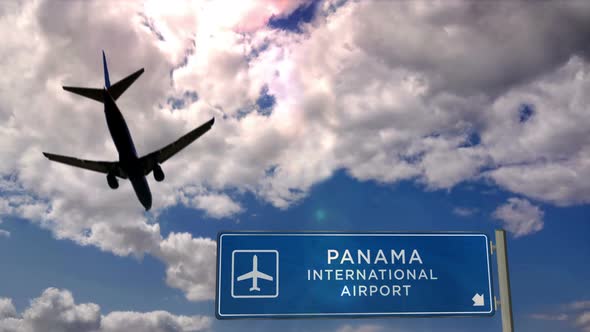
[322,274]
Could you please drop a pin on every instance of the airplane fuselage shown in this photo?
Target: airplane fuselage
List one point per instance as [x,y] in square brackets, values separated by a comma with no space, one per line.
[128,159]
[255,274]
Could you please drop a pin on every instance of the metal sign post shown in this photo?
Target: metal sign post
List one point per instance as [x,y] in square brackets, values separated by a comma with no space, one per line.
[387,274]
[504,281]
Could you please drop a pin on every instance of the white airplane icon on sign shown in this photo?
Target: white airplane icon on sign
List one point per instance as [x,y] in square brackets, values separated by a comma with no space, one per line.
[254,275]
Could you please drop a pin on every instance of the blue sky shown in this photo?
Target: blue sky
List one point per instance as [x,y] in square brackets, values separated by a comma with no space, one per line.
[547,270]
[330,115]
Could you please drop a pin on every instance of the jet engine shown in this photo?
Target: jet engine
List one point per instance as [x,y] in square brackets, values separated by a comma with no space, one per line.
[112,180]
[158,173]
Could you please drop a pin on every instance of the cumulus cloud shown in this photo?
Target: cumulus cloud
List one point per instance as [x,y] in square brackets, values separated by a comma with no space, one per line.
[357,90]
[191,264]
[581,314]
[520,217]
[56,310]
[583,321]
[156,321]
[547,156]
[216,205]
[7,309]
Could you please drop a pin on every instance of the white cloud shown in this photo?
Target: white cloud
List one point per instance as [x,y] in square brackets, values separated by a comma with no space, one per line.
[216,205]
[7,309]
[547,157]
[156,321]
[579,305]
[190,264]
[580,314]
[583,321]
[520,217]
[4,233]
[55,310]
[464,211]
[559,317]
[122,239]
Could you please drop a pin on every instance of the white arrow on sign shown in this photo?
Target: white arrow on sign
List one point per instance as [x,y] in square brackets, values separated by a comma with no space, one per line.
[478,300]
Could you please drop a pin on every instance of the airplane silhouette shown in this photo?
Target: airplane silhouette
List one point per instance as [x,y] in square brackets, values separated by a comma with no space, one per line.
[129,166]
[254,275]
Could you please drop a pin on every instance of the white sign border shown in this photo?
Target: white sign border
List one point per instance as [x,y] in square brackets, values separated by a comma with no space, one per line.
[276,294]
[303,315]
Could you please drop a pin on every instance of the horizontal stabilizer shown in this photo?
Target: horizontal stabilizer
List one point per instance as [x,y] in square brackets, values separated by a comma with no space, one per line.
[117,89]
[95,94]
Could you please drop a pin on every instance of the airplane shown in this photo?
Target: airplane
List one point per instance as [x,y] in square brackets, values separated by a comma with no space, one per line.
[254,275]
[129,166]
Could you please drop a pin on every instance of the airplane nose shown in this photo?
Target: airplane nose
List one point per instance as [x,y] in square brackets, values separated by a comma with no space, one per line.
[142,190]
[145,197]
[146,201]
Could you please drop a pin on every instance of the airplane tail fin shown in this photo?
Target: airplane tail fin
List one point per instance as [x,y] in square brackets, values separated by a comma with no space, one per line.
[107,81]
[115,90]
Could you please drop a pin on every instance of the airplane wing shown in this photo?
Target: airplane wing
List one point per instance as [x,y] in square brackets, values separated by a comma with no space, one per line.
[248,275]
[97,166]
[264,276]
[158,157]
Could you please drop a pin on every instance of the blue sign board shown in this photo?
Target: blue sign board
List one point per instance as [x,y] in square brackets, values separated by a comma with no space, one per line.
[319,274]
